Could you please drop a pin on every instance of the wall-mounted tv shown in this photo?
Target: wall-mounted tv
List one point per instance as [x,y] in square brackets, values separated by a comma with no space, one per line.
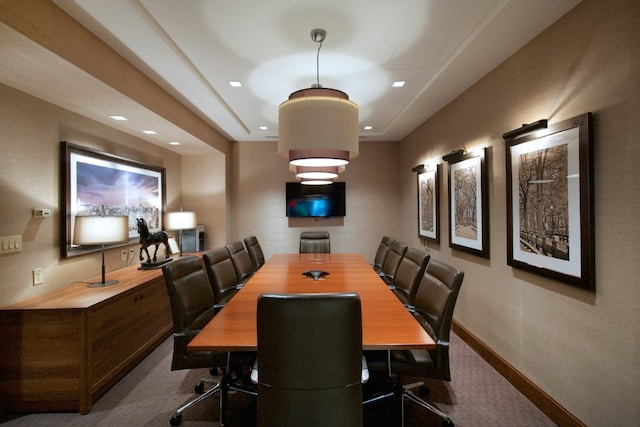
[315,200]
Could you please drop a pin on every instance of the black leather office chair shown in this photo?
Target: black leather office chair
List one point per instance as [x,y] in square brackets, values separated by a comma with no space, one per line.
[192,307]
[241,261]
[392,262]
[221,274]
[255,251]
[433,308]
[381,253]
[315,242]
[409,274]
[309,360]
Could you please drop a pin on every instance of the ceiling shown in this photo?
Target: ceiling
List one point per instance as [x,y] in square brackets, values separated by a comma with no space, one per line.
[194,48]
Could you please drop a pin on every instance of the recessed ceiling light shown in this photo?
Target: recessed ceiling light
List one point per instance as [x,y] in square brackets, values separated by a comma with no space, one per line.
[235,83]
[118,117]
[398,83]
[174,143]
[368,127]
[150,132]
[263,128]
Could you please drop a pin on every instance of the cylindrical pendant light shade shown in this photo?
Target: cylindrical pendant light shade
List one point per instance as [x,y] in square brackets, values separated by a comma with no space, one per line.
[318,127]
[100,230]
[180,220]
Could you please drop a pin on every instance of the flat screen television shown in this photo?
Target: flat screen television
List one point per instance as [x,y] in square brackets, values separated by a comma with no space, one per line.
[315,200]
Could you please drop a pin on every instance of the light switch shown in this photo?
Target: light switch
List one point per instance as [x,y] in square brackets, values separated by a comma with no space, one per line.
[10,244]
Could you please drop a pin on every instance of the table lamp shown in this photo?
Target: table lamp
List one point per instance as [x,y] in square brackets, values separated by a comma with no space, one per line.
[180,221]
[101,230]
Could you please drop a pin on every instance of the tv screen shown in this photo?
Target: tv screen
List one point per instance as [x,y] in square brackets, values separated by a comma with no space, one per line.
[315,200]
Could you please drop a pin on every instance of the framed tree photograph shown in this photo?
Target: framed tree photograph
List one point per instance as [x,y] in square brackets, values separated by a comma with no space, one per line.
[550,202]
[97,183]
[429,204]
[469,204]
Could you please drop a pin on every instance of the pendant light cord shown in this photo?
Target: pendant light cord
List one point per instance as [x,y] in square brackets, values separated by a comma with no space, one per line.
[318,64]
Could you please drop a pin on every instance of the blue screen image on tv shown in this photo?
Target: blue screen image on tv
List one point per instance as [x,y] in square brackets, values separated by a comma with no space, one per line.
[315,201]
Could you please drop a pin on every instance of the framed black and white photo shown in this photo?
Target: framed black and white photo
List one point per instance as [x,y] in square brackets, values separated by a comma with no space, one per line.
[550,202]
[97,183]
[429,204]
[469,204]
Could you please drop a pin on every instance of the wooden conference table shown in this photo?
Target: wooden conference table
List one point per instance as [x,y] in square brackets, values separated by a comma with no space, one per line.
[386,323]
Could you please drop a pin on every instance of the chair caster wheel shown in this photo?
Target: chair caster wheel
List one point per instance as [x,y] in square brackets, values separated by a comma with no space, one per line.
[213,371]
[447,423]
[176,420]
[199,388]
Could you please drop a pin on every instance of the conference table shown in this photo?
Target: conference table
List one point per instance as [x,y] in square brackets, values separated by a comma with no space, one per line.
[386,323]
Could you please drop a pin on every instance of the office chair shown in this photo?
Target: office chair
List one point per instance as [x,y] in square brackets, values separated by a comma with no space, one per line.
[221,274]
[310,360]
[433,308]
[241,261]
[192,307]
[409,274]
[392,262]
[381,253]
[315,242]
[255,252]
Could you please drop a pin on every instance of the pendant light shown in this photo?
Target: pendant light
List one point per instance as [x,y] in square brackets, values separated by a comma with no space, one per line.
[318,127]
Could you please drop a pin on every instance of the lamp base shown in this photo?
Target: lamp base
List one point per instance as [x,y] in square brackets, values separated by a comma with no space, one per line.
[101,285]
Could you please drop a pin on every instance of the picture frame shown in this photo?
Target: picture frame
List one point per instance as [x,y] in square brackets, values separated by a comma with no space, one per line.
[95,182]
[550,224]
[469,203]
[174,249]
[429,204]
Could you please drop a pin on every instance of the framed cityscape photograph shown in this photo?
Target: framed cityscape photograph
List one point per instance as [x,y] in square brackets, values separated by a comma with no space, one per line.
[97,183]
[429,204]
[550,202]
[469,204]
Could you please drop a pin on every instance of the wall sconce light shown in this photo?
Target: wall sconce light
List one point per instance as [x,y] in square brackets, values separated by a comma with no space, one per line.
[418,169]
[180,221]
[525,128]
[101,230]
[454,155]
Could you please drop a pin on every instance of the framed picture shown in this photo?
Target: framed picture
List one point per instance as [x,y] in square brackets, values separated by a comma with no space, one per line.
[174,249]
[550,202]
[94,183]
[429,204]
[469,204]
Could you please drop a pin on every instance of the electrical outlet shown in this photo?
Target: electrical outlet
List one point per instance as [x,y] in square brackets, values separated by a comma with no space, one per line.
[38,276]
[123,255]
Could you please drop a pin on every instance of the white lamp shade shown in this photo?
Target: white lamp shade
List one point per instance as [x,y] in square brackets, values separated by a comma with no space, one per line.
[180,220]
[100,230]
[318,127]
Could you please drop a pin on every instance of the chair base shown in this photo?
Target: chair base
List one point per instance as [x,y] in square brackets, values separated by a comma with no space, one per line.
[410,395]
[176,419]
[400,392]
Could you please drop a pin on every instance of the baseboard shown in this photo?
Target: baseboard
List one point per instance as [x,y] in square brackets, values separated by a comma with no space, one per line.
[551,408]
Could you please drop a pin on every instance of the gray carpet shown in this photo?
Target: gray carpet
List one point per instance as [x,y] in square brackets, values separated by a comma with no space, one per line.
[149,394]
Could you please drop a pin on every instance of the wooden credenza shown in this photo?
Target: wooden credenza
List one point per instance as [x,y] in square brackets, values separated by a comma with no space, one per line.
[62,350]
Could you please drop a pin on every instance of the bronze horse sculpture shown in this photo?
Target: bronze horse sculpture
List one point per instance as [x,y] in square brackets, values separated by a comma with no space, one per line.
[147,239]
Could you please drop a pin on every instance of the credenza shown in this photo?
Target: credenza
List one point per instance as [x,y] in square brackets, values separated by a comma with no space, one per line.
[62,350]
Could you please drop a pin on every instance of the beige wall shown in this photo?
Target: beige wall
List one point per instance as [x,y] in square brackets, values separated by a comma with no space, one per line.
[30,135]
[581,348]
[258,201]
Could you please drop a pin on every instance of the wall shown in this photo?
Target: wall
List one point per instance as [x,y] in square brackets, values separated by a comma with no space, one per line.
[581,348]
[258,199]
[30,134]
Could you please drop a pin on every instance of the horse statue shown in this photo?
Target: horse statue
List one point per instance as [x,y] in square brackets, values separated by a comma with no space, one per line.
[147,239]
